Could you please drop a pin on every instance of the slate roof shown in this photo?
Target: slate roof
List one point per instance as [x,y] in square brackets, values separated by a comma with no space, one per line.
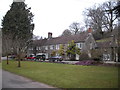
[62,39]
[40,42]
[104,44]
[107,44]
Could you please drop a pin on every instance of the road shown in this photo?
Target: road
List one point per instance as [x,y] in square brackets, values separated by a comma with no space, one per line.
[3,58]
[10,80]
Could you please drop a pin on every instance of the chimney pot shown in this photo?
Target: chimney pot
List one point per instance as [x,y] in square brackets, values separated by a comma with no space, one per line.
[49,35]
[89,30]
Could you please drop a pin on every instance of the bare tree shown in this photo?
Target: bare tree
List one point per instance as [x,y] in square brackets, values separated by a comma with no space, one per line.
[110,15]
[66,32]
[94,18]
[7,45]
[75,27]
[36,37]
[117,12]
[21,48]
[101,17]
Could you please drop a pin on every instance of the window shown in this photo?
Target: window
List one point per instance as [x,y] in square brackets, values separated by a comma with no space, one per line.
[31,48]
[46,47]
[54,47]
[57,47]
[106,57]
[51,47]
[79,45]
[37,48]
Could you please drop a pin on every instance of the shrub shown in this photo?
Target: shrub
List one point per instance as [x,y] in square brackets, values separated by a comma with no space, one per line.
[84,56]
[96,55]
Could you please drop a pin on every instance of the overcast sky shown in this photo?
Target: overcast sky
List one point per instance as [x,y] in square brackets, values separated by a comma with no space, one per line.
[53,15]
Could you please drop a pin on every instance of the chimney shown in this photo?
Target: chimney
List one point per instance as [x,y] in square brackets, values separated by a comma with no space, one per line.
[18,0]
[49,35]
[89,30]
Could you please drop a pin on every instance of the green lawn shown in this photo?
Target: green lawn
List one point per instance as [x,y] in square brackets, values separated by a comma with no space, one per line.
[103,40]
[66,76]
[0,65]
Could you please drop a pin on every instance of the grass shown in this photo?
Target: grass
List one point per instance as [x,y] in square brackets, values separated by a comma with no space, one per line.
[66,76]
[0,65]
[103,40]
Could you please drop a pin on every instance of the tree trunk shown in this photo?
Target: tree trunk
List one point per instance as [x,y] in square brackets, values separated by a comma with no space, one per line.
[19,64]
[118,46]
[118,40]
[7,60]
[112,53]
[118,53]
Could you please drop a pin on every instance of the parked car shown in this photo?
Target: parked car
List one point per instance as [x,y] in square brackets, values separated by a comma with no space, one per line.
[55,58]
[31,57]
[12,56]
[40,57]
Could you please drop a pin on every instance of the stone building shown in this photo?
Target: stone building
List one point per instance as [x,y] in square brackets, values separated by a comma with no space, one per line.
[84,41]
[109,49]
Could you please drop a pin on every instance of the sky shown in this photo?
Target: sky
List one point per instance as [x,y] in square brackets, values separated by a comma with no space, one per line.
[53,15]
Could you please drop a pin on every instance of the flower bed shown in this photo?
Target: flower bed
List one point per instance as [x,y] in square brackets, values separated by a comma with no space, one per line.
[87,62]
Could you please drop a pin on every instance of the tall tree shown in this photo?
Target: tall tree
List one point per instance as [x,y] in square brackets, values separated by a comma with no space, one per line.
[117,12]
[101,17]
[117,9]
[66,32]
[18,23]
[75,27]
[7,45]
[94,18]
[110,16]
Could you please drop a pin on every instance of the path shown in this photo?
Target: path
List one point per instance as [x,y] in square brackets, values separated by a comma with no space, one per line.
[10,80]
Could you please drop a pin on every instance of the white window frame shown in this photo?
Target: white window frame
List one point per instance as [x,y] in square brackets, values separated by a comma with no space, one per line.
[51,47]
[79,45]
[37,48]
[57,46]
[46,47]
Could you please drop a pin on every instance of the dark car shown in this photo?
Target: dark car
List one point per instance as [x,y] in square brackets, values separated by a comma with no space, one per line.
[55,58]
[40,57]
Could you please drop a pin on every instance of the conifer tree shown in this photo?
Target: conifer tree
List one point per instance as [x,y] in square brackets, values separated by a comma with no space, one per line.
[18,24]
